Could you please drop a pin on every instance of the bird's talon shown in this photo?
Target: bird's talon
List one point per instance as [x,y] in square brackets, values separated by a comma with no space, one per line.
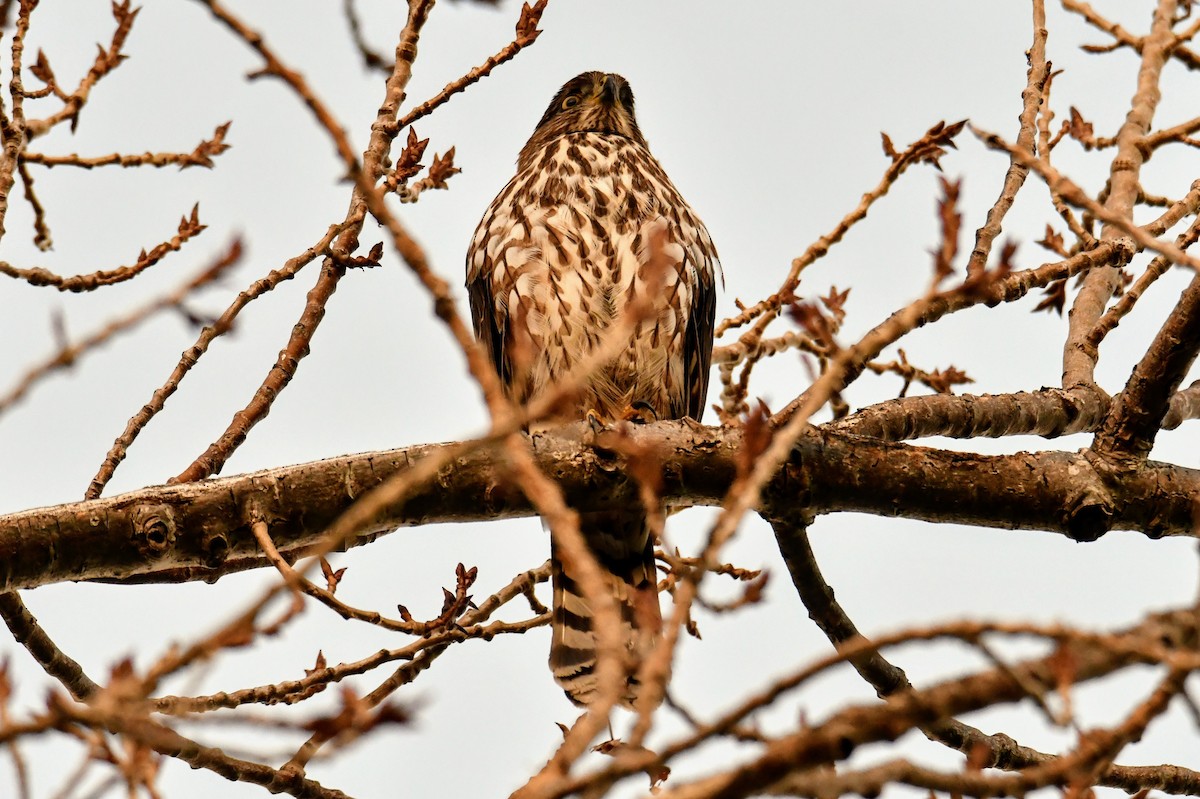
[640,413]
[595,421]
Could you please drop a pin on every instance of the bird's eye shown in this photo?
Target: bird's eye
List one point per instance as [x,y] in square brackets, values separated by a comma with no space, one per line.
[570,102]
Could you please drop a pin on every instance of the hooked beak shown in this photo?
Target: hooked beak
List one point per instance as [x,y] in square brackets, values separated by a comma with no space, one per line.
[609,91]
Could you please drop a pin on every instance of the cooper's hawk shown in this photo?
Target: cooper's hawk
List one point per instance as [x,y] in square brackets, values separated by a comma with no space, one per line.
[591,238]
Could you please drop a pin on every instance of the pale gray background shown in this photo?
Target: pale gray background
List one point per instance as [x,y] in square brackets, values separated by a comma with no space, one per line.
[767,117]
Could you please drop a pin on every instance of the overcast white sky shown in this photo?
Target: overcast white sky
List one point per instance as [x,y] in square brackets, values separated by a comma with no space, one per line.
[767,116]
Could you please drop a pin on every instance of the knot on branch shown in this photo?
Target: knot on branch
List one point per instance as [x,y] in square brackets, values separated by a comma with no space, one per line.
[1090,509]
[216,550]
[153,529]
[1124,250]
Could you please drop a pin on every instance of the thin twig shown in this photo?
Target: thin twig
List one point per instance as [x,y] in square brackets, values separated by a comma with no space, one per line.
[189,227]
[1031,100]
[191,355]
[365,174]
[70,352]
[28,633]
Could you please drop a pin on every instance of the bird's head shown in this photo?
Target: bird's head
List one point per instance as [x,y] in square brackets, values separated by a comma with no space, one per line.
[600,102]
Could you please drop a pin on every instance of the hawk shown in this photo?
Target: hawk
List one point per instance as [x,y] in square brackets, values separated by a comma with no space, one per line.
[591,237]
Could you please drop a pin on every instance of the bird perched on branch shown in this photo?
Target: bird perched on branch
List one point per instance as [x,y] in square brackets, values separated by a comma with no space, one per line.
[590,273]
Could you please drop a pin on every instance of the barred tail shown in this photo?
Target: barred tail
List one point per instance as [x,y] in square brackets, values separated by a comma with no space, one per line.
[623,546]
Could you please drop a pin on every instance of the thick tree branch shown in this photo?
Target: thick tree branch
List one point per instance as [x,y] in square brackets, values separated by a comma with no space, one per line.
[1048,413]
[1138,411]
[1099,285]
[202,530]
[1184,405]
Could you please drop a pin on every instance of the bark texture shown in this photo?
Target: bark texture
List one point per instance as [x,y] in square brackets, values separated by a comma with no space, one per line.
[201,531]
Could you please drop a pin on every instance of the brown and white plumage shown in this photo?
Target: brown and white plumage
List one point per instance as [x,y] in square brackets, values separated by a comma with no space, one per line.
[588,230]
